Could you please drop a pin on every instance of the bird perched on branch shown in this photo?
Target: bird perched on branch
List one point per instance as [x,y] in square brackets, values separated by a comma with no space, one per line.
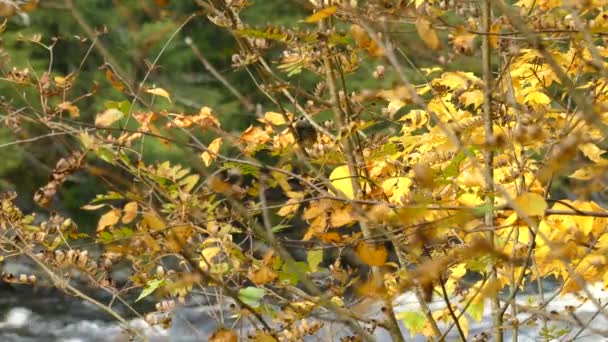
[306,132]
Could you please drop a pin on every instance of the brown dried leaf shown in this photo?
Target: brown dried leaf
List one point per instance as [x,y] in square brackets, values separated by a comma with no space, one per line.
[115,81]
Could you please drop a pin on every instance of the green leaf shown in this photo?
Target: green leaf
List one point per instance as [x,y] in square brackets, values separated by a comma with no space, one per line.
[280,227]
[151,286]
[475,310]
[290,274]
[111,195]
[105,155]
[314,258]
[252,296]
[452,169]
[106,237]
[413,321]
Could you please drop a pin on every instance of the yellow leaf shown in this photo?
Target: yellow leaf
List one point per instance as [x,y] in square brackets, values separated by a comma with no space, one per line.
[108,219]
[255,135]
[315,209]
[130,210]
[584,223]
[397,189]
[417,3]
[341,217]
[584,173]
[537,98]
[427,33]
[108,117]
[495,28]
[474,97]
[204,119]
[70,108]
[115,81]
[464,43]
[223,335]
[207,256]
[263,275]
[591,151]
[394,106]
[341,180]
[263,337]
[322,14]
[290,208]
[274,118]
[373,255]
[153,221]
[532,204]
[365,42]
[159,92]
[214,148]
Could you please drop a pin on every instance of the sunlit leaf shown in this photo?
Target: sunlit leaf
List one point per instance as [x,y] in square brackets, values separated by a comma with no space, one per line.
[341,217]
[427,33]
[150,287]
[108,219]
[130,212]
[314,258]
[365,42]
[252,296]
[413,321]
[371,254]
[223,335]
[532,204]
[341,180]
[153,221]
[274,118]
[262,275]
[115,81]
[188,183]
[108,117]
[209,156]
[321,14]
[476,309]
[159,92]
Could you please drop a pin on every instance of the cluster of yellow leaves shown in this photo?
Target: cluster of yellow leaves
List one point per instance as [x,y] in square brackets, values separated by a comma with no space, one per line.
[325,214]
[203,119]
[112,217]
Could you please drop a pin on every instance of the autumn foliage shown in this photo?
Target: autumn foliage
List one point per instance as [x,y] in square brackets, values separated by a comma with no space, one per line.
[463,177]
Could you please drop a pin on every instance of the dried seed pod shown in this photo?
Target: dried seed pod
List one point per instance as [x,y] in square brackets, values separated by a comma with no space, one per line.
[160,271]
[379,72]
[59,256]
[320,89]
